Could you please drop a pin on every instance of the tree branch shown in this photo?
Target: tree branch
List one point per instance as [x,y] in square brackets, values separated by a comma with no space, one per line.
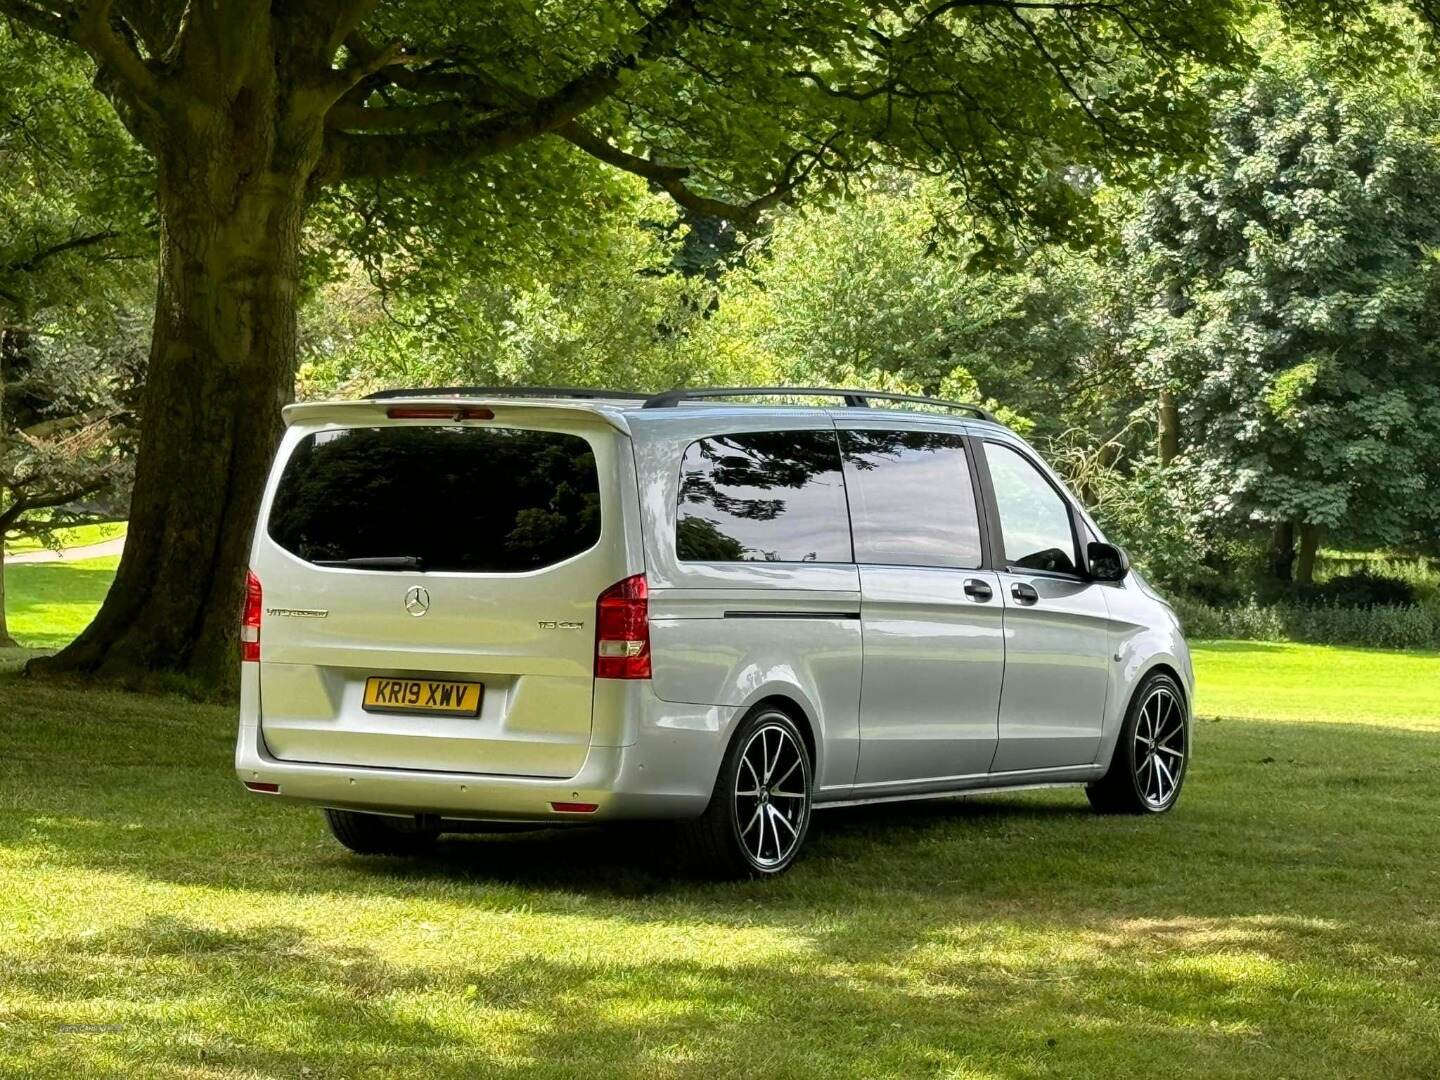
[33,261]
[91,26]
[22,506]
[42,19]
[61,424]
[671,178]
[411,153]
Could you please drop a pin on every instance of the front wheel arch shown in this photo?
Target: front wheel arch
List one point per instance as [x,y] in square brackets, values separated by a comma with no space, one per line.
[1125,786]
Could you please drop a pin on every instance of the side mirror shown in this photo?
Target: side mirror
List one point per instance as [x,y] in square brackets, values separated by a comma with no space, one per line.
[1107,562]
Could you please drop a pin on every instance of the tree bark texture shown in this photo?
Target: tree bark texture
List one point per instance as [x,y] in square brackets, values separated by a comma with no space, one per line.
[1169,427]
[1282,551]
[232,189]
[1309,546]
[6,641]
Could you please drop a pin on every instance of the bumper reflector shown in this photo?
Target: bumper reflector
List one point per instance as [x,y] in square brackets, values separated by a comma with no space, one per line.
[574,807]
[261,785]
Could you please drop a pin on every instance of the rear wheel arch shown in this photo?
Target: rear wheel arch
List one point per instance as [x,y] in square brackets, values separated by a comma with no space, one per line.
[796,712]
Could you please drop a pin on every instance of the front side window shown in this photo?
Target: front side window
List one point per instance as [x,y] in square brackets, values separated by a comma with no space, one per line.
[1034,519]
[765,496]
[477,500]
[911,499]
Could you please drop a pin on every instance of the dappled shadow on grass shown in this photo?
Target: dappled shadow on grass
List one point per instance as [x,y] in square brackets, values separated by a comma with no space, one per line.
[1282,920]
[1264,805]
[1105,1005]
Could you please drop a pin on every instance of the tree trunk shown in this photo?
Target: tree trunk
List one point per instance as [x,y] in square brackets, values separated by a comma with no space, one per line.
[6,641]
[1309,545]
[222,360]
[1169,425]
[1282,551]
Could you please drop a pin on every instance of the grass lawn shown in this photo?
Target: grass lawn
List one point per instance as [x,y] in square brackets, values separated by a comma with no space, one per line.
[47,604]
[1271,681]
[76,536]
[1283,921]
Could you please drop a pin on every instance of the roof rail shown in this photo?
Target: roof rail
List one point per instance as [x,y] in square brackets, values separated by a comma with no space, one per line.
[853,398]
[508,391]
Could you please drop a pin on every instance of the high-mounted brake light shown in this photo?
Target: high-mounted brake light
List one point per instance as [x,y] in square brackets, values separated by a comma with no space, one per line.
[432,412]
[622,630]
[250,620]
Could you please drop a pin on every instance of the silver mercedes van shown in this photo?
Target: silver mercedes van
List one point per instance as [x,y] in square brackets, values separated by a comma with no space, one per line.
[729,608]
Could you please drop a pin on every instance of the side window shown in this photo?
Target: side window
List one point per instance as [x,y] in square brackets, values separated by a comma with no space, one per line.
[768,496]
[911,499]
[1034,519]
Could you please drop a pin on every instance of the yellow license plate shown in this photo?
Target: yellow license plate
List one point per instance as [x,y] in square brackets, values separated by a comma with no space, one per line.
[385,694]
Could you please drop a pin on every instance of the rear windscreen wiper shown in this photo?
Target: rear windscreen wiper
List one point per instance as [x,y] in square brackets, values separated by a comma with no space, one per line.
[377,562]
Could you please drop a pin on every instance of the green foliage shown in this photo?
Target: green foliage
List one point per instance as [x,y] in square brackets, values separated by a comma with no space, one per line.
[603,311]
[1294,305]
[74,271]
[1390,626]
[867,291]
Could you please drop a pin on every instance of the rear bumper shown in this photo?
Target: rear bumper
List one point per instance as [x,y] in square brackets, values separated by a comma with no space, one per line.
[667,771]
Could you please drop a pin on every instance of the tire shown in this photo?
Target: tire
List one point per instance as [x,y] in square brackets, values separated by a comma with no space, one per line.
[755,836]
[379,834]
[1134,784]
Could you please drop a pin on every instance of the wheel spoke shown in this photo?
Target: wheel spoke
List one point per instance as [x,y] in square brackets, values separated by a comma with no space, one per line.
[1168,750]
[776,815]
[1166,776]
[788,771]
[754,776]
[753,818]
[787,794]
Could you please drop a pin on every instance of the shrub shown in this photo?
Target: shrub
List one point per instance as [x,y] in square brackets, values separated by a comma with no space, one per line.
[1387,626]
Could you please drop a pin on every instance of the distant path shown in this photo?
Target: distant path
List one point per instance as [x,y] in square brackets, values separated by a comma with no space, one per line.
[74,554]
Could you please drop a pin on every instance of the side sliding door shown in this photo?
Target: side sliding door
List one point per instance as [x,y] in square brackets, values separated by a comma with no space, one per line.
[930,614]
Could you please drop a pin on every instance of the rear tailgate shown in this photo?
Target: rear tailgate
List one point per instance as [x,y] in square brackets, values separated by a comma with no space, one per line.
[520,525]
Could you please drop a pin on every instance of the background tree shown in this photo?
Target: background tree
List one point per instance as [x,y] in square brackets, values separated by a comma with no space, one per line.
[255,112]
[888,288]
[74,268]
[1294,311]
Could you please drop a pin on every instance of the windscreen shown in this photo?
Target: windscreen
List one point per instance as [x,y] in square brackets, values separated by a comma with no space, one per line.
[460,499]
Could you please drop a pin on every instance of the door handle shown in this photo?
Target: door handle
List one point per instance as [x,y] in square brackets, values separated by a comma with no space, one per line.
[1024,594]
[977,590]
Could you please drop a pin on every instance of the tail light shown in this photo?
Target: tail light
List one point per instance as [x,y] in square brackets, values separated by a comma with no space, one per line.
[622,630]
[250,620]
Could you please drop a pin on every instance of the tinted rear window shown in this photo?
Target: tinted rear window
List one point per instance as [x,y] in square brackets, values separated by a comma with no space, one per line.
[482,500]
[769,496]
[911,499]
